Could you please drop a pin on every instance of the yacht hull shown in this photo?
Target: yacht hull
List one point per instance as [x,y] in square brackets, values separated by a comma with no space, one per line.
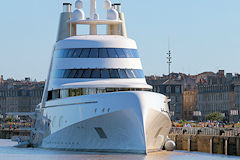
[133,122]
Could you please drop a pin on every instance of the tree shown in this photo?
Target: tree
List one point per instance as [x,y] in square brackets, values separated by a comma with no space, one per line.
[9,119]
[215,116]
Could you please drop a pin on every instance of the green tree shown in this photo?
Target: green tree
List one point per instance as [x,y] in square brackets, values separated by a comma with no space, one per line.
[9,119]
[215,116]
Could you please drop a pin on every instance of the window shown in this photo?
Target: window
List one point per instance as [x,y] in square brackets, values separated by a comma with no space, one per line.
[70,53]
[72,73]
[112,53]
[103,53]
[64,93]
[66,73]
[56,94]
[96,53]
[177,89]
[79,74]
[86,73]
[122,73]
[93,53]
[129,73]
[114,73]
[77,53]
[105,74]
[129,53]
[120,53]
[98,73]
[168,89]
[85,53]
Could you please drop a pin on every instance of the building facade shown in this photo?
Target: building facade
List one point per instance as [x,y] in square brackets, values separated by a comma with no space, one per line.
[173,89]
[190,101]
[216,98]
[235,112]
[19,96]
[195,96]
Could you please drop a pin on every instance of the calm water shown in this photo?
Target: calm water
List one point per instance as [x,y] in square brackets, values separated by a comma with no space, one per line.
[8,152]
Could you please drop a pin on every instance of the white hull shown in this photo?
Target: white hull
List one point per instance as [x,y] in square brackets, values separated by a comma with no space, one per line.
[133,122]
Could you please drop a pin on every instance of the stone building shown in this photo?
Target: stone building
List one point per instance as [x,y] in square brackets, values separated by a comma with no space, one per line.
[190,101]
[216,94]
[174,89]
[235,112]
[19,96]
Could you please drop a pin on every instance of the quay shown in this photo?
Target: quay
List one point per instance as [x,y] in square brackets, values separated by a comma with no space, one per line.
[7,133]
[200,139]
[209,140]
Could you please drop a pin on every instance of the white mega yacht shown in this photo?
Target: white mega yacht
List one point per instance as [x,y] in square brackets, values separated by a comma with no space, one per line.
[96,97]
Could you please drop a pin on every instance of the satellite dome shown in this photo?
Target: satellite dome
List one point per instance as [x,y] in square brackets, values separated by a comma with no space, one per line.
[78,4]
[78,14]
[107,4]
[112,14]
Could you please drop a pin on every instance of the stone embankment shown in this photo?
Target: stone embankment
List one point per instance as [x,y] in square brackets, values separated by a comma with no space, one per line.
[208,140]
[9,133]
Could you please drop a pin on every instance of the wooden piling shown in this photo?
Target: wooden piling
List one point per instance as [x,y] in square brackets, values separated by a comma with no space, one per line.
[211,145]
[175,140]
[189,143]
[237,146]
[208,144]
[226,146]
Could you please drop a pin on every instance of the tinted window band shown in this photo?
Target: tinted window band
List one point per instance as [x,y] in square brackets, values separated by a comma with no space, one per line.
[65,93]
[96,53]
[98,73]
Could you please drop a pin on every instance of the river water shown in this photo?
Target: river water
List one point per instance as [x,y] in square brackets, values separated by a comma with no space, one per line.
[8,152]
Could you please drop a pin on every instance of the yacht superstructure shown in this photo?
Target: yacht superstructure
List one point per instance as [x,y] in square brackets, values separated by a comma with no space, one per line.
[96,97]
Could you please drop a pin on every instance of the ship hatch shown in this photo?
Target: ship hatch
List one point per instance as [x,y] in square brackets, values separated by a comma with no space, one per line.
[101,133]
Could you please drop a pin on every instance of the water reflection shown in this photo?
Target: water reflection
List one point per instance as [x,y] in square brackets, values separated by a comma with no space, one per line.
[8,152]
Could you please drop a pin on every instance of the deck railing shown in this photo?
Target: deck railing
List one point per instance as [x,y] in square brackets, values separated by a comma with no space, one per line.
[206,131]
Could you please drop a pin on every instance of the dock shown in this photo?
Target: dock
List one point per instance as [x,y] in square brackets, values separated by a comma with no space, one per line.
[209,140]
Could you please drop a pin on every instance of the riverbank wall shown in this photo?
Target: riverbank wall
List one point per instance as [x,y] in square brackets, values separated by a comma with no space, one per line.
[228,145]
[9,133]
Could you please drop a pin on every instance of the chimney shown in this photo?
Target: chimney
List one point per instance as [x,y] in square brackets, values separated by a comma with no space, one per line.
[67,7]
[64,28]
[1,79]
[221,73]
[117,6]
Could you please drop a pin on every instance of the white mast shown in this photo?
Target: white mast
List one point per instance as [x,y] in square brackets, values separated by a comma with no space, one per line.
[93,15]
[93,8]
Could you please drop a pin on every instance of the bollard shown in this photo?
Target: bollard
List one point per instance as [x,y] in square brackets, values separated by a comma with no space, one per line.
[237,146]
[211,145]
[189,143]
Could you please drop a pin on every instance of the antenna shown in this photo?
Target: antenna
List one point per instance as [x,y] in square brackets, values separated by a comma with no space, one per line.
[169,43]
[169,58]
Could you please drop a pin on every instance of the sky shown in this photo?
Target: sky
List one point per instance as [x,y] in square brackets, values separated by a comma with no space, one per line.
[203,35]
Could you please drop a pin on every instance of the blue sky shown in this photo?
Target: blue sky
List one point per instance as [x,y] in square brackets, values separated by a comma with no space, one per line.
[204,35]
